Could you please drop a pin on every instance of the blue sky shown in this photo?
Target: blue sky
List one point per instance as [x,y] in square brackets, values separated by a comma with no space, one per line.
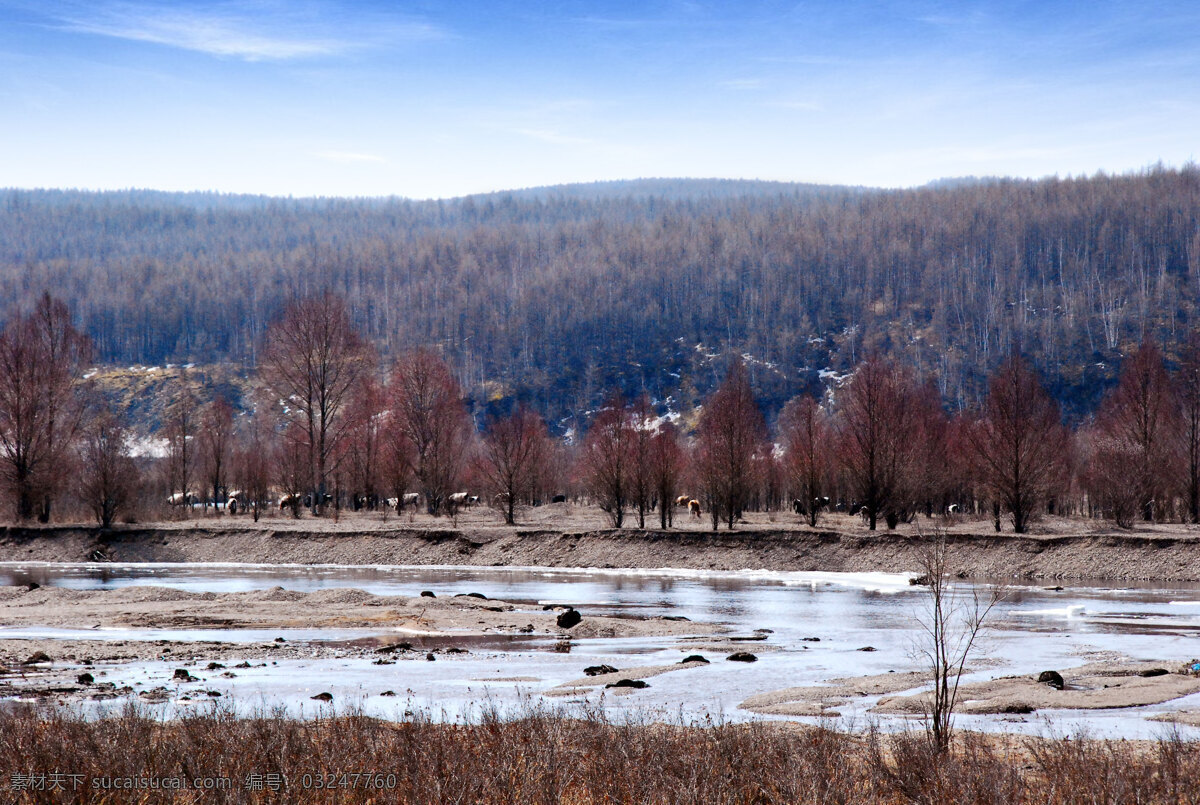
[432,99]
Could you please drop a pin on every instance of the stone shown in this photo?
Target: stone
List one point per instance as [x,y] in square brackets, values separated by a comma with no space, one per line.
[36,657]
[637,684]
[323,697]
[742,656]
[1052,678]
[568,619]
[693,658]
[85,679]
[427,594]
[598,670]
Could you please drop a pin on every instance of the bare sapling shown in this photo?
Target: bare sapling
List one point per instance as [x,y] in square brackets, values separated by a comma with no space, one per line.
[952,621]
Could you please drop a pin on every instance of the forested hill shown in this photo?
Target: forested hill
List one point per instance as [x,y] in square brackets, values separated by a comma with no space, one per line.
[561,294]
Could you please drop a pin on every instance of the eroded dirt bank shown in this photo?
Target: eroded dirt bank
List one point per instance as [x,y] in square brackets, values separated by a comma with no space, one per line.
[1156,555]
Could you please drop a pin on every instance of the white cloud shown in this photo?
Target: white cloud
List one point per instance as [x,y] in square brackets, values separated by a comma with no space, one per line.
[270,35]
[741,83]
[348,157]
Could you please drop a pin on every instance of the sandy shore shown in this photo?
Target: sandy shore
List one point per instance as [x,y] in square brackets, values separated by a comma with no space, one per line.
[560,536]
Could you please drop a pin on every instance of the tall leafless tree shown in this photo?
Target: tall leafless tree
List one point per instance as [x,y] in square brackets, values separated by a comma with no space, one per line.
[1187,384]
[877,421]
[1019,444]
[731,432]
[605,459]
[668,463]
[312,357]
[515,450]
[808,440]
[215,437]
[431,426]
[1136,438]
[109,477]
[42,359]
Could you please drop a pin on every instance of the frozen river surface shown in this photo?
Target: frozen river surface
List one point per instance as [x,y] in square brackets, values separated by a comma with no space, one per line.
[1033,629]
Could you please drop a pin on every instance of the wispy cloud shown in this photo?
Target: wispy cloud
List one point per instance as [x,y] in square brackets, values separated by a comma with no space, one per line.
[249,32]
[741,83]
[554,137]
[348,157]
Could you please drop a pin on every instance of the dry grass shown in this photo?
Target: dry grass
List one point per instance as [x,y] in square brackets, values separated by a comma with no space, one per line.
[544,755]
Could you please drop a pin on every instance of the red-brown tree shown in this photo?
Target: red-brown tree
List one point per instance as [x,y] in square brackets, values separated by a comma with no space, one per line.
[431,428]
[515,450]
[108,482]
[731,432]
[1019,445]
[1187,386]
[878,416]
[253,459]
[668,464]
[808,441]
[42,359]
[1136,440]
[312,358]
[605,459]
[215,436]
[181,426]
[364,446]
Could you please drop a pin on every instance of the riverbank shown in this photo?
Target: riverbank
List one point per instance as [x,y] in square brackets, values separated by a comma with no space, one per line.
[1063,550]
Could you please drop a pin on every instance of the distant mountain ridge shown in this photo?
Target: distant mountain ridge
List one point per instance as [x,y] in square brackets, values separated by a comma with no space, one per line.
[558,295]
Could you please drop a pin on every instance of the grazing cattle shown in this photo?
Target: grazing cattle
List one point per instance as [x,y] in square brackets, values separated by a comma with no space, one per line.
[409,499]
[798,506]
[952,508]
[683,500]
[233,502]
[463,499]
[181,499]
[289,502]
[694,507]
[559,499]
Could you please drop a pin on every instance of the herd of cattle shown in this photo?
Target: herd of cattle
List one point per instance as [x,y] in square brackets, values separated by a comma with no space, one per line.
[237,502]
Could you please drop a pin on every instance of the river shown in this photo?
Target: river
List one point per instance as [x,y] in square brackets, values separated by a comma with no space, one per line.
[1033,629]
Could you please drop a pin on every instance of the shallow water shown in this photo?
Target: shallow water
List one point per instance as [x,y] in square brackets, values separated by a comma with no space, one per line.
[1033,629]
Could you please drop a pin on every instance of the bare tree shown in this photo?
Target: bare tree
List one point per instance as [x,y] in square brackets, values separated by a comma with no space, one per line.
[731,432]
[668,462]
[1136,437]
[1019,445]
[215,437]
[311,360]
[42,359]
[951,625]
[109,476]
[807,436]
[642,428]
[878,415]
[253,459]
[605,459]
[364,443]
[431,425]
[515,448]
[180,428]
[1187,384]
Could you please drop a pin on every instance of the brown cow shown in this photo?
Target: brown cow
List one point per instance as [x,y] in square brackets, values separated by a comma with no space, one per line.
[682,500]
[694,507]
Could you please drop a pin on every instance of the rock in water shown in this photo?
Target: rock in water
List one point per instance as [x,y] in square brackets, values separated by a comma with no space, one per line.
[85,679]
[693,658]
[427,594]
[597,670]
[1052,678]
[568,619]
[742,656]
[323,697]
[628,683]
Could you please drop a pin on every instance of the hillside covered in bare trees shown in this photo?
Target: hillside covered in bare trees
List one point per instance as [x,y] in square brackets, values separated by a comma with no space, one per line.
[559,296]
